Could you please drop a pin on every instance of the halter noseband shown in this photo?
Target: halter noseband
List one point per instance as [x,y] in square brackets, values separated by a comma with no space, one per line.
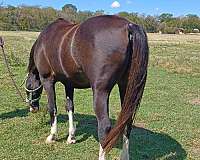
[30,98]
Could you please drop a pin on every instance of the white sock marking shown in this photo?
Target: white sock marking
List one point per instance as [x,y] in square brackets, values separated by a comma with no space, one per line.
[101,153]
[53,133]
[125,149]
[72,129]
[54,127]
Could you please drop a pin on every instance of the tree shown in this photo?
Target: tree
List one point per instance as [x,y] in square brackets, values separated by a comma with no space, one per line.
[165,17]
[69,12]
[35,18]
[99,12]
[192,16]
[151,24]
[69,8]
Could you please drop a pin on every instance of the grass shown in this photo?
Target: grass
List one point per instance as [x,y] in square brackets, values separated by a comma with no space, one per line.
[167,123]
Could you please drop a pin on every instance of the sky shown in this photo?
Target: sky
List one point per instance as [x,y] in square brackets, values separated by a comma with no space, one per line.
[152,7]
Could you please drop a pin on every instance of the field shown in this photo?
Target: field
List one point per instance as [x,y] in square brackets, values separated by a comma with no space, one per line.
[167,123]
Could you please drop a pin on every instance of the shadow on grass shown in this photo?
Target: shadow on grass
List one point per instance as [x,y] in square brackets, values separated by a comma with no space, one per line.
[144,144]
[15,113]
[148,145]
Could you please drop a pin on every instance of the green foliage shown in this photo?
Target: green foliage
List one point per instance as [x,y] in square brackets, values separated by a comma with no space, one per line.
[165,17]
[69,8]
[35,18]
[151,24]
[26,18]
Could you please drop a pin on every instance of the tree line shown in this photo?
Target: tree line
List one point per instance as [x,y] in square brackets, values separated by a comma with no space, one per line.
[35,18]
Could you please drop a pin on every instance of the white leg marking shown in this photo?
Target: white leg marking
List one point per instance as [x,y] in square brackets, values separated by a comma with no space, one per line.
[52,137]
[72,129]
[125,149]
[101,153]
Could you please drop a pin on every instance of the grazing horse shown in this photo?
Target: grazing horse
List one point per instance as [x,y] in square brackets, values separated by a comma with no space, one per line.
[98,53]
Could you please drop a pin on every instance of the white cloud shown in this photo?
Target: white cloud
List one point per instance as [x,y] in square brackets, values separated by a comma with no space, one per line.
[115,4]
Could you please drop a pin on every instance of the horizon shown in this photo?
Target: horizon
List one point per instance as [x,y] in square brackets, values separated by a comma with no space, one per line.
[178,8]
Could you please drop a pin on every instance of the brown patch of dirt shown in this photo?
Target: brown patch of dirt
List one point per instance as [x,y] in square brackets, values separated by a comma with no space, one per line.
[196,148]
[195,101]
[140,125]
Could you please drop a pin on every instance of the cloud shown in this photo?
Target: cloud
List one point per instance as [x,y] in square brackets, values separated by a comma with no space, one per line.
[115,4]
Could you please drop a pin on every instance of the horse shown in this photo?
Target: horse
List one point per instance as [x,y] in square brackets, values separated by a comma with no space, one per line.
[98,53]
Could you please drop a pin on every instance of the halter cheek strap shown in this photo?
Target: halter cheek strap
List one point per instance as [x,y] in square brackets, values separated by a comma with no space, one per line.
[33,90]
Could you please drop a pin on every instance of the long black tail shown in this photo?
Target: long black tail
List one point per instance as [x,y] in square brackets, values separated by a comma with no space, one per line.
[136,83]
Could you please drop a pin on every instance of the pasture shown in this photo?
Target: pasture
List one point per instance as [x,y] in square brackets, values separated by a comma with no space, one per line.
[167,123]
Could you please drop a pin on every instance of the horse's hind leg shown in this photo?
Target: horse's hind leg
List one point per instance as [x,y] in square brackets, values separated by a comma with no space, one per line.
[101,109]
[49,87]
[69,90]
[125,148]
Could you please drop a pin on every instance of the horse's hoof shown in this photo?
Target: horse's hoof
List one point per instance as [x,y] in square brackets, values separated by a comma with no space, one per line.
[34,109]
[50,139]
[71,140]
[124,156]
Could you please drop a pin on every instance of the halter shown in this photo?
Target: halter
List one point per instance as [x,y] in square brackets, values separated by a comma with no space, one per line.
[30,98]
[30,91]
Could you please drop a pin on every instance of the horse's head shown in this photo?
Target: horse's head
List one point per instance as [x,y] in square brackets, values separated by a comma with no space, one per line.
[33,88]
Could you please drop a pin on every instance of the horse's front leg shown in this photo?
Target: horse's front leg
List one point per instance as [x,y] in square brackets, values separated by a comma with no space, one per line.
[49,86]
[69,90]
[101,110]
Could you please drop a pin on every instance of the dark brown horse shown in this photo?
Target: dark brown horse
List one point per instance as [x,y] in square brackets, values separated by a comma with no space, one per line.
[99,53]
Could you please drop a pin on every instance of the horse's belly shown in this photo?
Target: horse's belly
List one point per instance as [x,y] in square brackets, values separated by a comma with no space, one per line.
[79,80]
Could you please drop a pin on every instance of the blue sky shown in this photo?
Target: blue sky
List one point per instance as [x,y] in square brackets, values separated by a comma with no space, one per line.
[153,7]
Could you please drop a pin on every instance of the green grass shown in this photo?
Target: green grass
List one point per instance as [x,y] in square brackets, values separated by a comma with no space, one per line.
[168,121]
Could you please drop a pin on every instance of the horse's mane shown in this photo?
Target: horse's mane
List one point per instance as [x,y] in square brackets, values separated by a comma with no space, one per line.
[31,65]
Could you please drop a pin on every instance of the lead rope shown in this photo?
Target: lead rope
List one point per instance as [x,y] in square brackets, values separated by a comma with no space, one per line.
[9,70]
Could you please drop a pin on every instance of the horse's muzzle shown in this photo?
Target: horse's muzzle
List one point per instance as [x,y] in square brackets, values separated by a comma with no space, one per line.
[34,109]
[34,106]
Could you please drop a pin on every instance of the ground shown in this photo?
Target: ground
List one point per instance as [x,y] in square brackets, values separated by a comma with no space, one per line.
[167,123]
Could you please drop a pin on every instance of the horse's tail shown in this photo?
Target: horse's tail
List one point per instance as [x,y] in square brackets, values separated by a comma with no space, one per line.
[135,86]
[31,65]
